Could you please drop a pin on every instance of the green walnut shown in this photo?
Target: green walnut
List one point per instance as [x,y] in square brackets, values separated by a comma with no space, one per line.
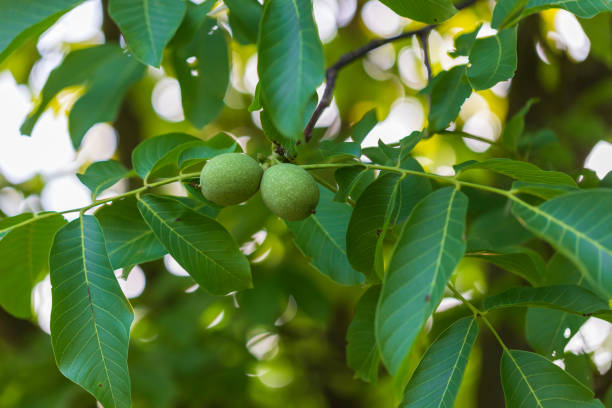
[230,178]
[289,191]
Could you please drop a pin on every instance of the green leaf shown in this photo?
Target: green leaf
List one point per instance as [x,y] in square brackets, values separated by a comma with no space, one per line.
[492,59]
[425,11]
[581,8]
[507,13]
[7,224]
[372,214]
[548,331]
[437,379]
[464,43]
[578,225]
[24,261]
[352,181]
[530,380]
[496,229]
[515,126]
[101,175]
[244,19]
[105,72]
[361,351]
[273,134]
[322,236]
[202,69]
[199,244]
[568,298]
[523,171]
[544,191]
[523,262]
[218,144]
[24,19]
[147,25]
[448,90]
[290,62]
[129,240]
[427,252]
[160,150]
[361,129]
[90,317]
[334,149]
[599,31]
[413,188]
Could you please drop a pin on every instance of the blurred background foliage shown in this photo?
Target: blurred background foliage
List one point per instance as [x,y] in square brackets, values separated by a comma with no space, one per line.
[282,343]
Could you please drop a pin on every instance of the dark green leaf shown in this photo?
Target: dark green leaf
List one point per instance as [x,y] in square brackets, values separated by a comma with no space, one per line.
[427,252]
[160,150]
[147,25]
[515,126]
[199,243]
[361,129]
[352,181]
[290,62]
[105,71]
[578,225]
[273,135]
[544,191]
[496,229]
[333,149]
[568,298]
[582,8]
[129,240]
[523,171]
[244,19]
[413,188]
[437,379]
[218,144]
[24,261]
[507,13]
[448,90]
[361,351]
[523,262]
[492,59]
[101,175]
[90,317]
[548,331]
[464,43]
[202,69]
[372,214]
[24,19]
[530,380]
[322,236]
[425,11]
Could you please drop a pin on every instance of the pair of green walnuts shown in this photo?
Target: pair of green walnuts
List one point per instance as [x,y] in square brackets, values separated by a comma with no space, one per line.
[286,189]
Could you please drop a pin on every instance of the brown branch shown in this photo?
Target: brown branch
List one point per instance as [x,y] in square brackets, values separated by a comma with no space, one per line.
[332,72]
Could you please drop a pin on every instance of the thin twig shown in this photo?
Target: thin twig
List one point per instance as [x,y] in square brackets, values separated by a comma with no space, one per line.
[332,72]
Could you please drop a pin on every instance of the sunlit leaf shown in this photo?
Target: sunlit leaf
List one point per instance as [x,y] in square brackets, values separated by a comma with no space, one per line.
[530,380]
[361,351]
[322,236]
[436,381]
[90,317]
[199,243]
[24,261]
[427,252]
[147,25]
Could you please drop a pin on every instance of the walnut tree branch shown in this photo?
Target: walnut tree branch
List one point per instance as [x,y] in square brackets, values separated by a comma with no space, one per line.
[332,72]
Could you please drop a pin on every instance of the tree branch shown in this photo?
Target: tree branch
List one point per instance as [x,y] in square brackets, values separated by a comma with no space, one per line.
[332,72]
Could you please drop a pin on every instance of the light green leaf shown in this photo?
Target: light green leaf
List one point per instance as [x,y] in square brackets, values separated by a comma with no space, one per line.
[199,243]
[448,90]
[244,19]
[322,236]
[147,25]
[523,262]
[24,261]
[290,62]
[425,11]
[372,215]
[129,240]
[522,171]
[90,317]
[202,69]
[352,181]
[105,72]
[101,175]
[568,298]
[361,351]
[513,130]
[8,223]
[427,252]
[530,380]
[24,19]
[492,59]
[160,150]
[436,381]
[578,225]
[544,191]
[599,31]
